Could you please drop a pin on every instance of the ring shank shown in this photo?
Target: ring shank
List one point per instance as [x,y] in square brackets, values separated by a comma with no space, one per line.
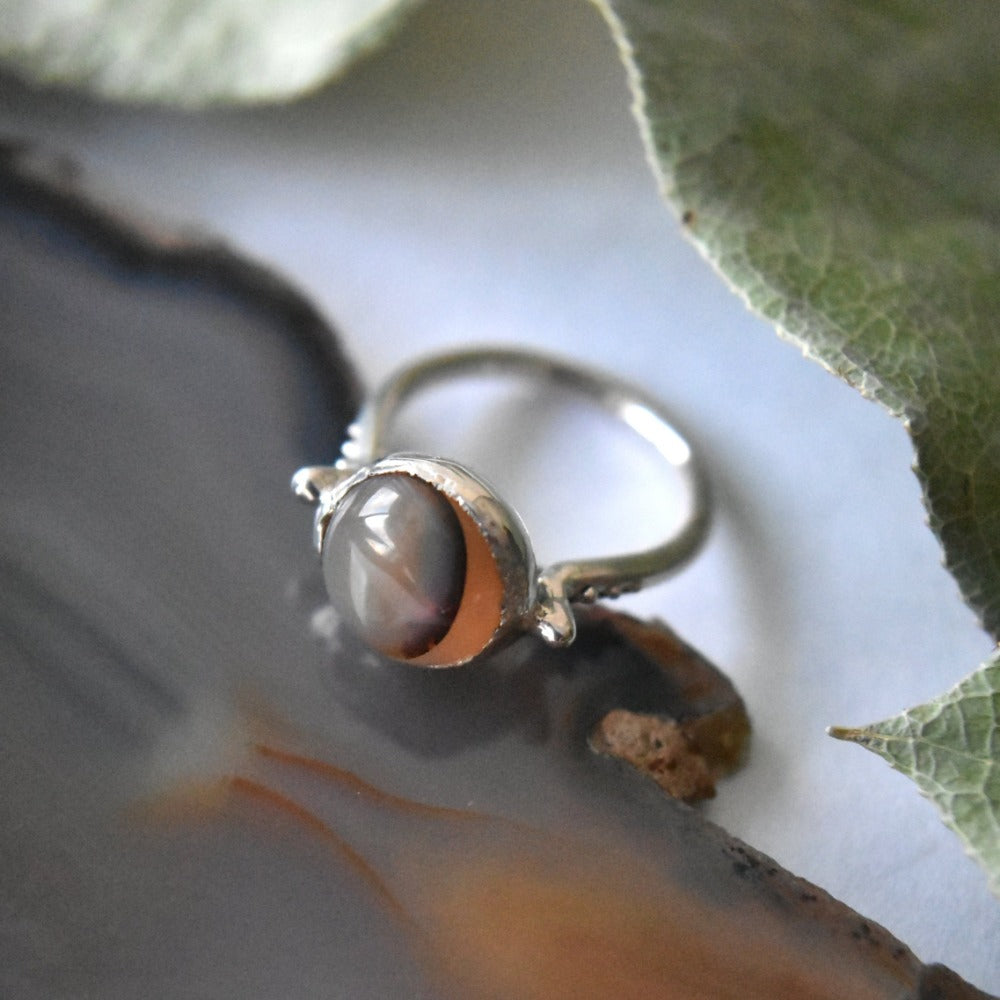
[574,580]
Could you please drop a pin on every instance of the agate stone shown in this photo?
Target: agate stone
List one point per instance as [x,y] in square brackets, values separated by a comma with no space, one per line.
[394,561]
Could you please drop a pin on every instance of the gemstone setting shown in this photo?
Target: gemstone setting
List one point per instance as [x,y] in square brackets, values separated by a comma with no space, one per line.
[394,561]
[367,558]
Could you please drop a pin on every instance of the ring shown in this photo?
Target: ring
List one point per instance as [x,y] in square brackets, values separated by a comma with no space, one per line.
[430,566]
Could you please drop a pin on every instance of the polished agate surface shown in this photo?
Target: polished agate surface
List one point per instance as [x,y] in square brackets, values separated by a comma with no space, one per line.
[394,563]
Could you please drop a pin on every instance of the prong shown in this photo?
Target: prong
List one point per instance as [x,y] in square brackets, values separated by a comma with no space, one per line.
[554,618]
[309,483]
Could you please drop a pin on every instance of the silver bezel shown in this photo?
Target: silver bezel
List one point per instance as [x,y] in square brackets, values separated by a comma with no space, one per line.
[498,524]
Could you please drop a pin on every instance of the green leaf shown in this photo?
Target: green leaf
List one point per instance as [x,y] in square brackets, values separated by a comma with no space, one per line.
[838,164]
[191,52]
[951,748]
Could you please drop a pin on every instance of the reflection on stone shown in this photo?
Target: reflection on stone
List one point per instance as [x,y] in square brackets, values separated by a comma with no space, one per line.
[394,563]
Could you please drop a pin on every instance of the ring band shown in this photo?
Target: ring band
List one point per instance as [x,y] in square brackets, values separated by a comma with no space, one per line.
[430,566]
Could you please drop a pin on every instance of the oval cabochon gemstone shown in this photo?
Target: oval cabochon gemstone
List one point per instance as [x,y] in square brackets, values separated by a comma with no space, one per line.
[394,562]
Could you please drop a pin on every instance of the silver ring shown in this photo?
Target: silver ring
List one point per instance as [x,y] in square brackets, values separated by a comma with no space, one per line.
[430,566]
